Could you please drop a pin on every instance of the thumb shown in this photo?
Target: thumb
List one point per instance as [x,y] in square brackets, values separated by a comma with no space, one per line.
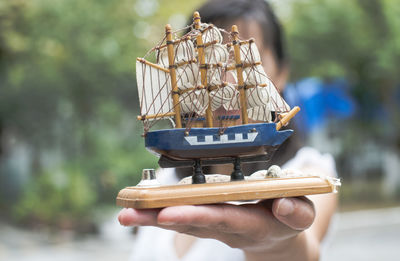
[297,213]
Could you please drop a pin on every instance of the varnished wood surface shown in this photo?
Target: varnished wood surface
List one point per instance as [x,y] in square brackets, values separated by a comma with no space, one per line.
[239,73]
[172,72]
[287,117]
[163,196]
[202,63]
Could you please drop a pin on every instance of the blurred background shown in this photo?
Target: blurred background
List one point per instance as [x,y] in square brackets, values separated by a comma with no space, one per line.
[69,138]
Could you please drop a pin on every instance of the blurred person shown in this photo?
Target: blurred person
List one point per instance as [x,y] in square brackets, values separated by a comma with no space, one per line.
[277,229]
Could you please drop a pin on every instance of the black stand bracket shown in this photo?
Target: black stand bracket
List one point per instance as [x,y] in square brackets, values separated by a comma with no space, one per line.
[198,176]
[237,173]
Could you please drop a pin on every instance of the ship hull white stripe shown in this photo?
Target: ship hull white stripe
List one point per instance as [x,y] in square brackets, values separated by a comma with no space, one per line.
[208,139]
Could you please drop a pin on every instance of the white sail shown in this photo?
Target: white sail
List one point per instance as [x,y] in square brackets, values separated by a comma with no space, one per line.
[216,53]
[261,93]
[153,90]
[260,113]
[187,76]
[257,113]
[211,34]
[194,101]
[215,77]
[266,96]
[213,55]
[184,51]
[222,96]
[277,103]
[187,72]
[233,103]
[249,53]
[257,96]
[256,76]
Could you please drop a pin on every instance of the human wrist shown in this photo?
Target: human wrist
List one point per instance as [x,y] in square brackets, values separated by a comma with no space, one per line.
[302,247]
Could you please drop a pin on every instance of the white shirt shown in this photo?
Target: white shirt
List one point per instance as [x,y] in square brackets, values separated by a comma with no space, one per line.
[156,244]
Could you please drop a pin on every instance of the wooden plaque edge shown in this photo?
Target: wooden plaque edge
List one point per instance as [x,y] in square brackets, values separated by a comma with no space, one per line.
[210,193]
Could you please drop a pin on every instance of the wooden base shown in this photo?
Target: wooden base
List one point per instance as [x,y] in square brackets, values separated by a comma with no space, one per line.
[209,193]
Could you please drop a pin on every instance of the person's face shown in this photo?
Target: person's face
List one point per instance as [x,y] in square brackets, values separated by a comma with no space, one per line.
[251,29]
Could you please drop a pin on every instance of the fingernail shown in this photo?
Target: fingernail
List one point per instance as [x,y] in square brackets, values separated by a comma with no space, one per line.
[285,207]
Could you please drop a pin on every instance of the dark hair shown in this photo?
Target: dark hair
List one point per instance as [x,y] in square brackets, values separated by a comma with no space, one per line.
[223,13]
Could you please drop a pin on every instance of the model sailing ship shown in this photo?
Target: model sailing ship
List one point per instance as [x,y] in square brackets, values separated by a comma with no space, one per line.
[222,105]
[217,95]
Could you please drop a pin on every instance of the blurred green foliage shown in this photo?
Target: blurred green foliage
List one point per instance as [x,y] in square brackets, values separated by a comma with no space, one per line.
[358,40]
[68,98]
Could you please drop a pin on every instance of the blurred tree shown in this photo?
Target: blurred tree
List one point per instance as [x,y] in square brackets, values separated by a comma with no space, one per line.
[357,40]
[68,99]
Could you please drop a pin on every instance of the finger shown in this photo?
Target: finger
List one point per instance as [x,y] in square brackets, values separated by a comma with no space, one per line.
[223,217]
[135,217]
[297,213]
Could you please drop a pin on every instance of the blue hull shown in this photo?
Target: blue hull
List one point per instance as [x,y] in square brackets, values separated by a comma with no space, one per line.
[206,143]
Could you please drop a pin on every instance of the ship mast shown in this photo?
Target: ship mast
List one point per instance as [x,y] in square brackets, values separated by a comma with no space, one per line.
[203,66]
[172,72]
[239,72]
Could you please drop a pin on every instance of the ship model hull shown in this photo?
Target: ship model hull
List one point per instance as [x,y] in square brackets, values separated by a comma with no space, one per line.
[208,143]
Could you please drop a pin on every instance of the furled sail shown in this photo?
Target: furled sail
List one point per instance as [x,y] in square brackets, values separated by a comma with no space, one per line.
[154,90]
[211,33]
[187,71]
[184,51]
[256,96]
[215,55]
[223,96]
[194,101]
[187,76]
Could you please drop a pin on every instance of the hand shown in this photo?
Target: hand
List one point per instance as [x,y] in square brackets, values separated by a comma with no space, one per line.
[271,228]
